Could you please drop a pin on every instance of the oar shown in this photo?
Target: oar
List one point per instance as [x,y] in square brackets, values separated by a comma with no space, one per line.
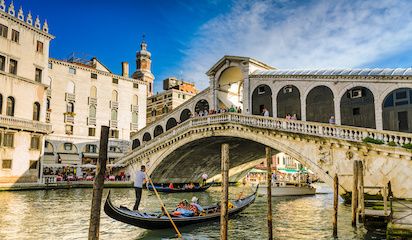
[164,208]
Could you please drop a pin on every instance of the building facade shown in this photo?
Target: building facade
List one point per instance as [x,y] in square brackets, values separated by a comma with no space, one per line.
[176,92]
[24,53]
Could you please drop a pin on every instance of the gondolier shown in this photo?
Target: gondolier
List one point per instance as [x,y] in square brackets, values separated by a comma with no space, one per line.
[138,185]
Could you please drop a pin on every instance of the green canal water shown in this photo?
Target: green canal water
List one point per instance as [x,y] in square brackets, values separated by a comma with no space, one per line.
[64,214]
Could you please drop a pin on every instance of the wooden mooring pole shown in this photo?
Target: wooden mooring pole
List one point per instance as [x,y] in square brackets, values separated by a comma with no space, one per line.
[355,193]
[98,185]
[361,204]
[268,151]
[225,191]
[335,205]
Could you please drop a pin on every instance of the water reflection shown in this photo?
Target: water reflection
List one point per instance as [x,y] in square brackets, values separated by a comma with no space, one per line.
[64,214]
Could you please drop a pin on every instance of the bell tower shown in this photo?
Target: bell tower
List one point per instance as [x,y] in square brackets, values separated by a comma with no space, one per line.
[143,64]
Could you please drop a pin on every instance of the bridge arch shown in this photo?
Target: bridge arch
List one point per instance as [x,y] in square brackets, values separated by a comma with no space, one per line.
[262,98]
[157,131]
[146,137]
[135,143]
[185,114]
[288,102]
[229,85]
[202,105]
[319,104]
[357,107]
[397,110]
[171,123]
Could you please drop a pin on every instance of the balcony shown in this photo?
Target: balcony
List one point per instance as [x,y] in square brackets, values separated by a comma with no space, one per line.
[134,108]
[48,113]
[69,117]
[114,104]
[91,121]
[113,123]
[24,124]
[70,97]
[134,127]
[92,100]
[48,92]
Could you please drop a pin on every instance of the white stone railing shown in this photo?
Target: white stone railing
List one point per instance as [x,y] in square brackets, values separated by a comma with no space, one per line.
[92,100]
[70,97]
[134,126]
[24,124]
[134,108]
[91,121]
[113,123]
[349,133]
[114,104]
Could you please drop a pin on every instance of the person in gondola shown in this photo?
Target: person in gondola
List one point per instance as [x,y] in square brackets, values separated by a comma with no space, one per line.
[171,186]
[138,185]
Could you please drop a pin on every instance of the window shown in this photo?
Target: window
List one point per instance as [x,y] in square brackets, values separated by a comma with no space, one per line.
[184,96]
[114,133]
[2,63]
[35,143]
[3,30]
[115,81]
[70,107]
[93,92]
[15,36]
[39,47]
[93,75]
[72,70]
[153,112]
[13,67]
[114,149]
[50,65]
[114,96]
[91,148]
[165,109]
[36,111]
[69,129]
[92,111]
[33,164]
[114,115]
[135,85]
[1,107]
[92,132]
[10,106]
[356,111]
[6,164]
[135,117]
[135,100]
[8,140]
[68,146]
[37,76]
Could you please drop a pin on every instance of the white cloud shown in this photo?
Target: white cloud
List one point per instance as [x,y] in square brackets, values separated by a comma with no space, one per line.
[322,34]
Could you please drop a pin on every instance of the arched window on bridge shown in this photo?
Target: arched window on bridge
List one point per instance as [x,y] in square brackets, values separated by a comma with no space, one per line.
[202,105]
[262,98]
[135,143]
[357,108]
[157,131]
[397,110]
[288,102]
[319,105]
[185,115]
[146,137]
[171,123]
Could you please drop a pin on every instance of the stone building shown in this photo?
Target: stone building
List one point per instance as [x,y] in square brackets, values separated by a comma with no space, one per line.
[176,92]
[24,54]
[83,96]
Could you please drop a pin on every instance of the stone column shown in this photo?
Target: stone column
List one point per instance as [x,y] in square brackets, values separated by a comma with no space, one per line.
[247,105]
[213,92]
[274,103]
[378,115]
[336,102]
[303,107]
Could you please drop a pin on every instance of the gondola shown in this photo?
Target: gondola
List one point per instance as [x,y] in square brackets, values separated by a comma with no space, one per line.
[178,190]
[160,221]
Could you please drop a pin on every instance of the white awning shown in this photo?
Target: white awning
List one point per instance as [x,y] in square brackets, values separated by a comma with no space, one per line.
[90,155]
[70,158]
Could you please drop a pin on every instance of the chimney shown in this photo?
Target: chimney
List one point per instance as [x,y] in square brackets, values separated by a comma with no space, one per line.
[125,69]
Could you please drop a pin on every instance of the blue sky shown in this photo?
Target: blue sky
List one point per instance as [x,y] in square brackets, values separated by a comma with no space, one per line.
[186,37]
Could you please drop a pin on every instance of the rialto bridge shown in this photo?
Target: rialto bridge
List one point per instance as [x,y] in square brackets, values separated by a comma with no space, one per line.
[369,105]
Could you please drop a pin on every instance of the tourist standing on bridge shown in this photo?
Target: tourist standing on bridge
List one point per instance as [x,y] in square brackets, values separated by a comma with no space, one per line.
[265,112]
[138,185]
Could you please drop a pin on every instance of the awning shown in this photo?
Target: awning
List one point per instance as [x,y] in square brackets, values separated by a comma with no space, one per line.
[286,170]
[254,170]
[70,158]
[114,155]
[49,159]
[90,155]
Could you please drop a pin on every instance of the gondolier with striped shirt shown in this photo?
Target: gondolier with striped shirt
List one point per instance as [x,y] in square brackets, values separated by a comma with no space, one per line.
[138,185]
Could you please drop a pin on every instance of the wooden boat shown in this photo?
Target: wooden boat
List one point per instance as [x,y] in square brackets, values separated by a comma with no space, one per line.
[160,221]
[178,190]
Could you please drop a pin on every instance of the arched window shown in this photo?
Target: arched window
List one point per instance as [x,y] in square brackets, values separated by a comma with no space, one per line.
[70,107]
[36,111]
[135,100]
[135,117]
[93,92]
[114,114]
[70,87]
[1,103]
[92,111]
[165,109]
[153,112]
[114,96]
[10,106]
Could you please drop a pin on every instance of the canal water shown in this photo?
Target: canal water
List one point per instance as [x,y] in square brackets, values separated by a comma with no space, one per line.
[64,214]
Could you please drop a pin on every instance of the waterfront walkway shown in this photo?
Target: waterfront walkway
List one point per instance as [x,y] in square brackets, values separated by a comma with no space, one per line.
[61,185]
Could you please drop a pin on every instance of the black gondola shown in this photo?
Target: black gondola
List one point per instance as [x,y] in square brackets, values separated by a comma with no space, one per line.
[178,190]
[159,221]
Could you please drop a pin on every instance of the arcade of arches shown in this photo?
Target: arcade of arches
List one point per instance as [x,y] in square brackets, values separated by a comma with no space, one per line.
[357,106]
[230,88]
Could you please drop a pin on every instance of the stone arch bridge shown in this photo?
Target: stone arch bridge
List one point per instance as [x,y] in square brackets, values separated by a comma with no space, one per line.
[191,148]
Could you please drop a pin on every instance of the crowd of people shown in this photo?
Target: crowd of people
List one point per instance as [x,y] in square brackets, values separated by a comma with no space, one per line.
[205,112]
[77,173]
